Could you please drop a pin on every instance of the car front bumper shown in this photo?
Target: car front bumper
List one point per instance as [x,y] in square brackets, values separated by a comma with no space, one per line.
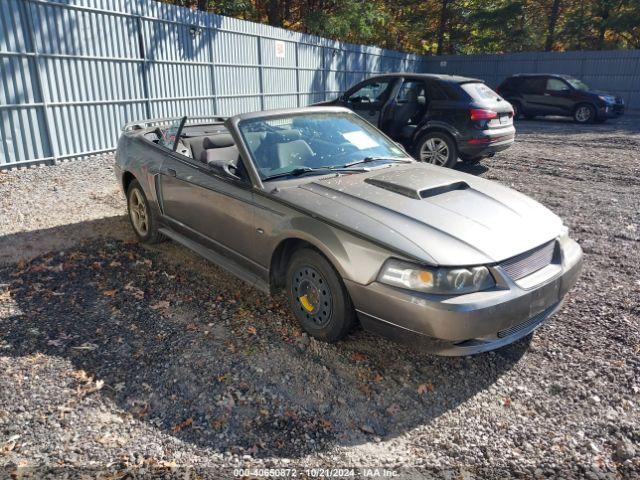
[611,110]
[471,323]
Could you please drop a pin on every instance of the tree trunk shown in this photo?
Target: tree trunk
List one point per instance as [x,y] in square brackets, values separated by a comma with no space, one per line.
[604,12]
[203,5]
[442,26]
[551,32]
[274,13]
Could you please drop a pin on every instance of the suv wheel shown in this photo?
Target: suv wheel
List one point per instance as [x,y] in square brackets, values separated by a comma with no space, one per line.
[438,149]
[141,216]
[584,113]
[318,297]
[517,109]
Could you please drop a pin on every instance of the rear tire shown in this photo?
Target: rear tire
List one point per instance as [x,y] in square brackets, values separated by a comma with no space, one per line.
[142,217]
[437,148]
[517,109]
[584,113]
[317,297]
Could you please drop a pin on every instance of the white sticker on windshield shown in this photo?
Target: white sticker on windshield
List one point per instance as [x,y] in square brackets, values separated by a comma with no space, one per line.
[360,139]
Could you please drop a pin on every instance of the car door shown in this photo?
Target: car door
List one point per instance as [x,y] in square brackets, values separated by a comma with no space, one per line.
[368,99]
[213,209]
[533,89]
[558,96]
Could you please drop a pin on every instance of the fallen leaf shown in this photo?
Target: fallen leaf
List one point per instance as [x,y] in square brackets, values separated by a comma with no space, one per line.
[86,346]
[182,425]
[358,357]
[218,424]
[393,409]
[109,293]
[326,424]
[252,330]
[424,388]
[162,304]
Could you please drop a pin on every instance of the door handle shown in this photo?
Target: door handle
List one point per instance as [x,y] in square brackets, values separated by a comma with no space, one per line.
[171,172]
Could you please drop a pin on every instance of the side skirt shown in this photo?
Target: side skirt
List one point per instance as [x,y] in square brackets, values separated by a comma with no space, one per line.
[229,265]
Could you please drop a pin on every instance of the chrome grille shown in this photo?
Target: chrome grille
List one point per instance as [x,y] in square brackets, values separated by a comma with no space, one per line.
[527,324]
[529,262]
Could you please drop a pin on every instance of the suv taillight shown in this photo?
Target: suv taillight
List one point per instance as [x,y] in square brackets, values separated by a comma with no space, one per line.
[481,114]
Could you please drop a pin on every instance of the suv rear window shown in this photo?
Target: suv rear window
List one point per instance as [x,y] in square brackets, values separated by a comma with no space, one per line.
[479,91]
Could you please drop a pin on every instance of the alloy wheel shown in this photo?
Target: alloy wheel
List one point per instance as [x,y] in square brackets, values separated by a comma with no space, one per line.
[434,150]
[138,213]
[583,114]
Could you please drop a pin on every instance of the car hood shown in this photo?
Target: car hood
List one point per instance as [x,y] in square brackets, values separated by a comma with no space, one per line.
[437,215]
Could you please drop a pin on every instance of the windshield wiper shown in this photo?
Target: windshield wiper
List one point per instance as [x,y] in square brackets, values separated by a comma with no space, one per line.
[375,159]
[296,172]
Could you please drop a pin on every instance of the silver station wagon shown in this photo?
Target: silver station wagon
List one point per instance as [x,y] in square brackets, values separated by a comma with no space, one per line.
[318,202]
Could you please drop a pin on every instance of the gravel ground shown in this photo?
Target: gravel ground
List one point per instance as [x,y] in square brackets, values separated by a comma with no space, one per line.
[150,361]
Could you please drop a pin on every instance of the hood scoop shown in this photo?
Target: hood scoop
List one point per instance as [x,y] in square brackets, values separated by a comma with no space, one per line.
[414,190]
[440,189]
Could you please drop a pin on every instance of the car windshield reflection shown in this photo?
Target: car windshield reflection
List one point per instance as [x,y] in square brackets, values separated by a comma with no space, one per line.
[315,142]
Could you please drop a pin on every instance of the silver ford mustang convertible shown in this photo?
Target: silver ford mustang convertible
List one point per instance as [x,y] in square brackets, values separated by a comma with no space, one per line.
[318,202]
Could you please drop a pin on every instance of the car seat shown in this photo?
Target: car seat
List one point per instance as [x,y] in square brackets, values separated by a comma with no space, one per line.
[405,113]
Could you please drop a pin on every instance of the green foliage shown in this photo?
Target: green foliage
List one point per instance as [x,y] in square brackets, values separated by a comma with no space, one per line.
[464,26]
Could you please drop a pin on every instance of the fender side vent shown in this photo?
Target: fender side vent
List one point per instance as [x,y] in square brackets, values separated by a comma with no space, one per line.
[439,190]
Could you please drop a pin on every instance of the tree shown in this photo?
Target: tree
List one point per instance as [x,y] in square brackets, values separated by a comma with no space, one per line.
[449,26]
[553,18]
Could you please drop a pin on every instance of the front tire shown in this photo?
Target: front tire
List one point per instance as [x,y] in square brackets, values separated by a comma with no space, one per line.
[317,297]
[584,113]
[437,148]
[142,218]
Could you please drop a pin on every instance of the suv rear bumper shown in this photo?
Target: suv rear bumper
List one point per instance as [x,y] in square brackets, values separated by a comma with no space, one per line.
[486,142]
[466,324]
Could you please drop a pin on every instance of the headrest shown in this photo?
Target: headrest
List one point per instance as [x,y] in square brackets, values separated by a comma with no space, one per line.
[412,95]
[223,154]
[218,141]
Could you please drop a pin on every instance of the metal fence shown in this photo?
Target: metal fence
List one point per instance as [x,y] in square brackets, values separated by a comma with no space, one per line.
[74,71]
[615,71]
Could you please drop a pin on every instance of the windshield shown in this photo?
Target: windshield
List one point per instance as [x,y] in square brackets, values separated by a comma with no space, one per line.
[577,84]
[313,141]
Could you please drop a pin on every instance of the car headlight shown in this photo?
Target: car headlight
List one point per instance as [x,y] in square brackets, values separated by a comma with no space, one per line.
[444,281]
[607,98]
